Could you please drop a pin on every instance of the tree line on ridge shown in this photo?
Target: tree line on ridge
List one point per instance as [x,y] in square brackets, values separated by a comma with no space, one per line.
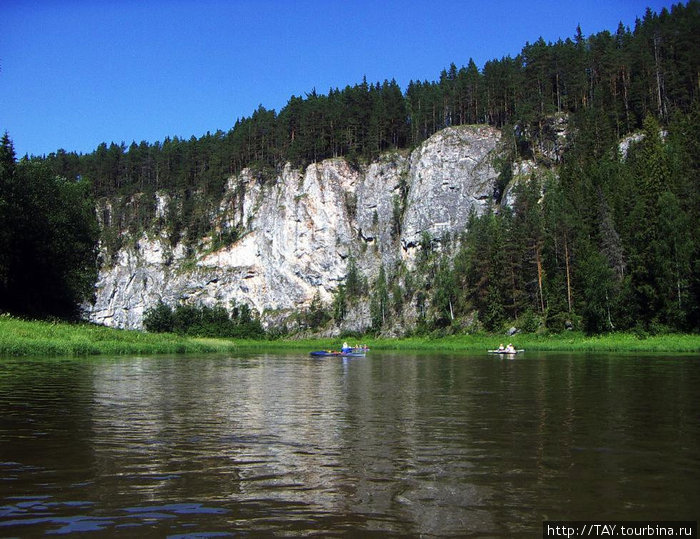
[622,77]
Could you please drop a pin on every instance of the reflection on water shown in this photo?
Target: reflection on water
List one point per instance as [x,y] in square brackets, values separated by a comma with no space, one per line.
[387,445]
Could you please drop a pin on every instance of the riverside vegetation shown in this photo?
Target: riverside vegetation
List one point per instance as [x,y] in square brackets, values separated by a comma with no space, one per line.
[56,338]
[42,338]
[603,242]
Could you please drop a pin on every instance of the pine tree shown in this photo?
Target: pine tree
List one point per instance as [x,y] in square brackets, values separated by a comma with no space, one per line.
[444,294]
[48,239]
[380,300]
[7,208]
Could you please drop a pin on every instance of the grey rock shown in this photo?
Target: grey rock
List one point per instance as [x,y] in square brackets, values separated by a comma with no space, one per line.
[300,231]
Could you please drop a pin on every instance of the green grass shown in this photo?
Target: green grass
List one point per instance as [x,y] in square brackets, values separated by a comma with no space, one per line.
[570,341]
[25,338]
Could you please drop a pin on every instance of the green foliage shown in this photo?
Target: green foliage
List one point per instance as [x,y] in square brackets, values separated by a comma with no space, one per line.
[396,216]
[159,319]
[444,294]
[48,240]
[351,291]
[529,322]
[355,284]
[44,338]
[425,253]
[379,301]
[608,246]
[340,303]
[203,321]
[316,315]
[397,297]
[25,338]
[226,237]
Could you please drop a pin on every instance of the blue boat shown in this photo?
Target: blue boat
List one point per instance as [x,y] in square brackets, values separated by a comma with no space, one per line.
[335,353]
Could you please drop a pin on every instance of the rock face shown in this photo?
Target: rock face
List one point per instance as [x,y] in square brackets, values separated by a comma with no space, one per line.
[299,232]
[450,173]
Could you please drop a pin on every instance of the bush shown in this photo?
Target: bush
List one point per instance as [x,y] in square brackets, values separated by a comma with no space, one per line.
[563,321]
[159,319]
[202,321]
[529,322]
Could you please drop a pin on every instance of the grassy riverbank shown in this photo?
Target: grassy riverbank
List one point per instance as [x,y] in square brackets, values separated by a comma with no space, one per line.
[24,338]
[570,341]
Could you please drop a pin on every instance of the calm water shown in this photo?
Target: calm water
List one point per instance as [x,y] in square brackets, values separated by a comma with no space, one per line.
[393,444]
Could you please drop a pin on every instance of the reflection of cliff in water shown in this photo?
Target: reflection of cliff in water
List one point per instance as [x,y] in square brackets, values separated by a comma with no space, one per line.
[388,444]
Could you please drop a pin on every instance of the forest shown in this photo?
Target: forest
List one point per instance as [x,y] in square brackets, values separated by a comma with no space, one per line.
[48,239]
[612,244]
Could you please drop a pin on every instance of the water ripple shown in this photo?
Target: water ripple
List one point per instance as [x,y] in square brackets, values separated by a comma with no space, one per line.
[392,445]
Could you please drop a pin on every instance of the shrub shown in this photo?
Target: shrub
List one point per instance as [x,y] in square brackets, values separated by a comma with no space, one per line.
[203,321]
[159,319]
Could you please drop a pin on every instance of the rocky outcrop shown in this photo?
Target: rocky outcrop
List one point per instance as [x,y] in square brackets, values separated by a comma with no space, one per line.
[297,233]
[450,174]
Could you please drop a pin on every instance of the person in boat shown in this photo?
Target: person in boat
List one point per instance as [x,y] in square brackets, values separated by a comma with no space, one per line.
[501,348]
[510,348]
[345,349]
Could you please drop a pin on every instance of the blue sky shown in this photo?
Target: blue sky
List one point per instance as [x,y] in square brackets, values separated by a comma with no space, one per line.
[74,73]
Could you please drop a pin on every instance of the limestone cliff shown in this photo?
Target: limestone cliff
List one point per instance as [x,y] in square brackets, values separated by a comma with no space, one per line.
[297,233]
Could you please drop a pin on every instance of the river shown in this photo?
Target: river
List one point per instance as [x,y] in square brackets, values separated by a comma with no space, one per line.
[395,444]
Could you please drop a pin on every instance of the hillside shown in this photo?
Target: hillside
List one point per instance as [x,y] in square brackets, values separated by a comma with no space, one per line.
[452,236]
[555,189]
[292,239]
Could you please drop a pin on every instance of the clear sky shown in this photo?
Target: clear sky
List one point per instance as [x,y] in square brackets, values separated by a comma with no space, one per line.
[74,73]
